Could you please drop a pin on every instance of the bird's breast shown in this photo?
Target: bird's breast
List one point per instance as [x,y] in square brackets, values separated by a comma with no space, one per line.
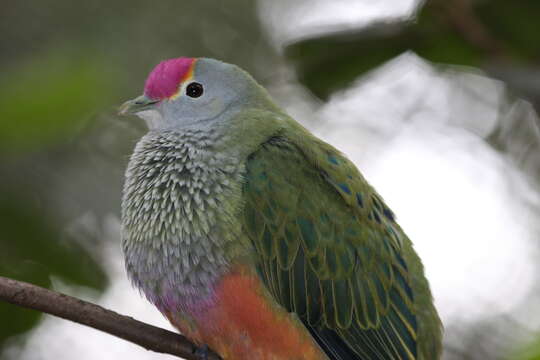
[179,215]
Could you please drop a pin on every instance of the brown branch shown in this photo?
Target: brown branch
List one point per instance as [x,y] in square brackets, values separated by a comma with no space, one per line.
[70,308]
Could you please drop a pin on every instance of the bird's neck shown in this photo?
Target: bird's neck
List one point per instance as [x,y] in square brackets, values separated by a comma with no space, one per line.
[178,197]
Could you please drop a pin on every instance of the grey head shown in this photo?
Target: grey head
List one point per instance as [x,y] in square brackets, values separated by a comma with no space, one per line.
[193,92]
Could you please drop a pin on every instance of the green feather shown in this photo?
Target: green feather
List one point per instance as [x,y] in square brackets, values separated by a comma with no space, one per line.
[330,250]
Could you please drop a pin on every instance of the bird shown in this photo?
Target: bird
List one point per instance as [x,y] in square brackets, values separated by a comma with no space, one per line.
[259,240]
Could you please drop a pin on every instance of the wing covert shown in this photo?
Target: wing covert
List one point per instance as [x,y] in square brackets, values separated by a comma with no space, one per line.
[330,251]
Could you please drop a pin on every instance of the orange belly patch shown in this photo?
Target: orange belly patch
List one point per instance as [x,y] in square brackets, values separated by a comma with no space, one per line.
[246,324]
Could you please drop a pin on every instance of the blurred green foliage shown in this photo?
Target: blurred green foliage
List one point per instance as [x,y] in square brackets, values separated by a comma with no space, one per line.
[443,31]
[43,102]
[530,352]
[45,99]
[515,24]
[32,251]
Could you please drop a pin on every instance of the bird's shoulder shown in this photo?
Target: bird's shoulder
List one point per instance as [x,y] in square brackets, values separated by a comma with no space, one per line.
[301,174]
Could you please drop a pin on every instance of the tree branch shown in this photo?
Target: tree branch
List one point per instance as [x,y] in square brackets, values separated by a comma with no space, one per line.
[70,308]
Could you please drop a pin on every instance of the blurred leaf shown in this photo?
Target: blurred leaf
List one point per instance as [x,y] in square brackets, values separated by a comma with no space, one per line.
[442,32]
[516,24]
[438,40]
[332,62]
[48,98]
[530,352]
[32,252]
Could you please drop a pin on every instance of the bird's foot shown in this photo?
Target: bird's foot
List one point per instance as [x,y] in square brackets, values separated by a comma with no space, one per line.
[202,352]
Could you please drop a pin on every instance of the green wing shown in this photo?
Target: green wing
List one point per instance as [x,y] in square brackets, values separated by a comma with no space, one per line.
[330,251]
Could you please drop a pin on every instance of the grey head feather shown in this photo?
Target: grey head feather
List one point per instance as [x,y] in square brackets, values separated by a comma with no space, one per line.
[226,90]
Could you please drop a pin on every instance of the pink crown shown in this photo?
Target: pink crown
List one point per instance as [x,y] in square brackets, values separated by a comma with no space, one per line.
[164,80]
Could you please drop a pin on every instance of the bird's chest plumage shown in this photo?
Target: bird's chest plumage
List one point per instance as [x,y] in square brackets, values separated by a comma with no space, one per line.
[184,249]
[179,214]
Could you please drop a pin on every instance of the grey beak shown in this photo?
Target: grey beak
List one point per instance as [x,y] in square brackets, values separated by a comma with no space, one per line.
[136,105]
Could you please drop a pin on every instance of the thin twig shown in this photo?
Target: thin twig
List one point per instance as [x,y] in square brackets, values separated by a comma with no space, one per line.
[70,308]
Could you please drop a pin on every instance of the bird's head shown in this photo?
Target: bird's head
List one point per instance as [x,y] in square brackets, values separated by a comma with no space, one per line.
[191,91]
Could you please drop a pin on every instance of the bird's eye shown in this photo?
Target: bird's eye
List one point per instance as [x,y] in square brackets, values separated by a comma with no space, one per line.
[194,90]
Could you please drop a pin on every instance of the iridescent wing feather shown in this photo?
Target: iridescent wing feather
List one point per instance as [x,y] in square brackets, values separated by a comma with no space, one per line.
[331,252]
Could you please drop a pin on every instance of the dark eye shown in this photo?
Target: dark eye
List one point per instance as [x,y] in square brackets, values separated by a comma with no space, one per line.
[194,90]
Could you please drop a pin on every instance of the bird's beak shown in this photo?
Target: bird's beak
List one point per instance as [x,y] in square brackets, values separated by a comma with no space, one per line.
[136,105]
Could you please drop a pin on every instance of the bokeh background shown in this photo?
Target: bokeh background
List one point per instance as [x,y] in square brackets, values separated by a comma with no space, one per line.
[437,103]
